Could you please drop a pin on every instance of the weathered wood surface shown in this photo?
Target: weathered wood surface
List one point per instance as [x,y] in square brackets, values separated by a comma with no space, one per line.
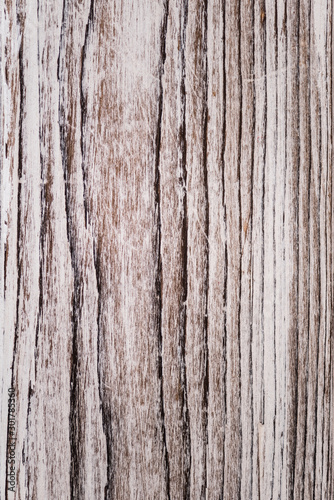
[167,248]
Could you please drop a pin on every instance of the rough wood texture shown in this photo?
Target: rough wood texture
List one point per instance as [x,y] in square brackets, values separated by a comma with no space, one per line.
[167,249]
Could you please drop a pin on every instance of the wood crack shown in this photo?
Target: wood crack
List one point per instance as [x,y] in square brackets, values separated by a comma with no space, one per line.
[159,269]
[83,104]
[184,256]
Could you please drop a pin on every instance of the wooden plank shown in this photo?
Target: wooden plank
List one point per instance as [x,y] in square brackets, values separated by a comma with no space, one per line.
[166,249]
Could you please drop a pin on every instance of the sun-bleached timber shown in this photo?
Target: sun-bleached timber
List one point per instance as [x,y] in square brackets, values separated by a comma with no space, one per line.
[166,249]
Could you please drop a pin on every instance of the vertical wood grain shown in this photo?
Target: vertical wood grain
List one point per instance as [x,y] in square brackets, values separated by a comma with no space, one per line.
[166,249]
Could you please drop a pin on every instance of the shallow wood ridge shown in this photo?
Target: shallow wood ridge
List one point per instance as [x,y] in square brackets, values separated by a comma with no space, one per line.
[166,246]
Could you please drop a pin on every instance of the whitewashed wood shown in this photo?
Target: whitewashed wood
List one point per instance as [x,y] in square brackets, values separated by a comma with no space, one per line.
[166,248]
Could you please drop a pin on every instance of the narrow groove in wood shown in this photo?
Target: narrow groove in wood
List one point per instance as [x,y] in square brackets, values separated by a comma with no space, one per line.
[323,439]
[293,349]
[75,482]
[275,263]
[19,195]
[284,30]
[309,254]
[184,256]
[42,205]
[224,285]
[297,240]
[159,268]
[264,36]
[319,298]
[83,104]
[107,423]
[251,208]
[240,132]
[206,232]
[20,22]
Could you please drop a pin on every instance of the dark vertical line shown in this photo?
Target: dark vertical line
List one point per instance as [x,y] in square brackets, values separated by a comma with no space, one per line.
[296,402]
[251,250]
[240,239]
[331,346]
[107,420]
[264,21]
[42,202]
[224,360]
[274,245]
[83,104]
[184,257]
[296,343]
[297,232]
[19,194]
[331,286]
[319,298]
[61,38]
[20,22]
[5,264]
[76,485]
[284,29]
[206,230]
[309,246]
[326,267]
[159,270]
[74,420]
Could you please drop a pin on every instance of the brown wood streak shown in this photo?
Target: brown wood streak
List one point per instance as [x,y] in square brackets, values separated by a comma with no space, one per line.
[197,197]
[124,113]
[87,464]
[292,200]
[174,228]
[167,249]
[304,248]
